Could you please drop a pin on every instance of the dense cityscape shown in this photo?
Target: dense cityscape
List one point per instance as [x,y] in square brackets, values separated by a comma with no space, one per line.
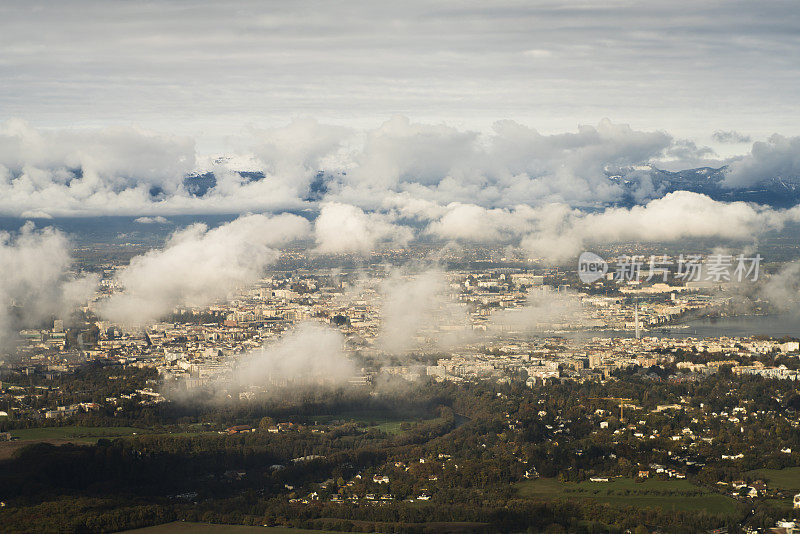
[394,386]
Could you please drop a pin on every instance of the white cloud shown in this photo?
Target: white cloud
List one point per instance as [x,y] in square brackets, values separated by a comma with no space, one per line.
[110,171]
[511,165]
[468,222]
[120,157]
[414,309]
[152,220]
[776,158]
[544,309]
[343,229]
[127,171]
[457,183]
[556,232]
[311,354]
[198,266]
[35,282]
[782,289]
[303,145]
[562,233]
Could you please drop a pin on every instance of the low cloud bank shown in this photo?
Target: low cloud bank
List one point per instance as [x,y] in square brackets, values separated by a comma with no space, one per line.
[777,158]
[345,229]
[414,308]
[545,309]
[129,171]
[562,234]
[198,265]
[35,282]
[309,355]
[782,289]
[558,233]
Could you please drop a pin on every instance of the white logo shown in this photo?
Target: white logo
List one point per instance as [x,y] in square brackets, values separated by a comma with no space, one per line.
[591,267]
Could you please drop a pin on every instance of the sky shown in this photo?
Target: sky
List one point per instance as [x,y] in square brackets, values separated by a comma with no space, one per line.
[212,69]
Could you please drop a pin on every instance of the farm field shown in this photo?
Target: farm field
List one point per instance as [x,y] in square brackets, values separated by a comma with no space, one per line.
[180,527]
[666,494]
[785,479]
[382,421]
[61,435]
[84,434]
[208,528]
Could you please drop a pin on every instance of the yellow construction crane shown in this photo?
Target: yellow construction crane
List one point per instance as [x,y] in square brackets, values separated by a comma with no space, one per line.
[615,399]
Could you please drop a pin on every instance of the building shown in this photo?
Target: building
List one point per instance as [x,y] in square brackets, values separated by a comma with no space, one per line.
[790,346]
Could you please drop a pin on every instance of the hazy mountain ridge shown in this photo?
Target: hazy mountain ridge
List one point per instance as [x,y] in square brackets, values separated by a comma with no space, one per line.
[638,185]
[777,192]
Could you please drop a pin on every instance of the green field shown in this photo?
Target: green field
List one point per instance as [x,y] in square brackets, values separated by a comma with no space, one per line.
[377,420]
[666,494]
[390,427]
[207,528]
[84,434]
[785,479]
[181,527]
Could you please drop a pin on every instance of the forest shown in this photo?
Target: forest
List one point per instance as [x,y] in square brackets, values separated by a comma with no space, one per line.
[460,456]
